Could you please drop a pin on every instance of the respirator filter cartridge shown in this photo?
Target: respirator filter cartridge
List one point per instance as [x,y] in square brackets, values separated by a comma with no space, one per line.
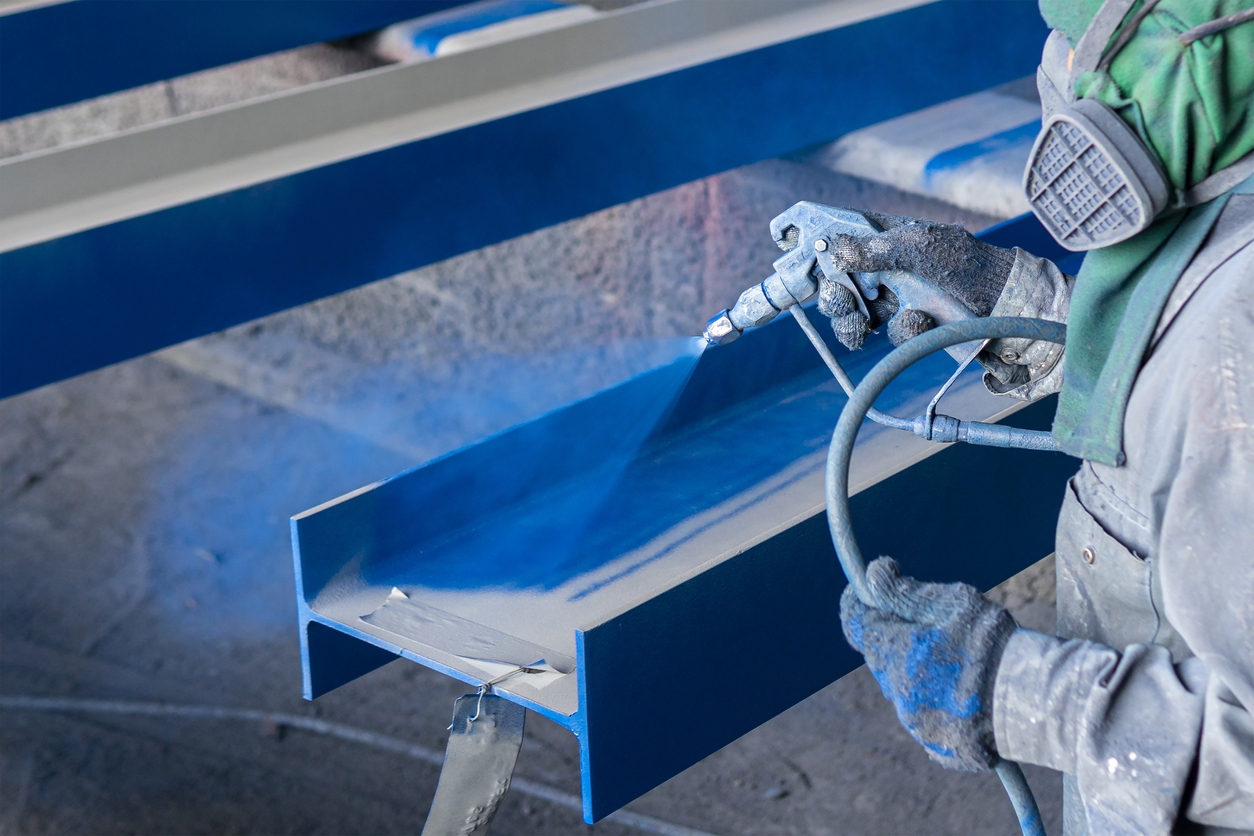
[1089,179]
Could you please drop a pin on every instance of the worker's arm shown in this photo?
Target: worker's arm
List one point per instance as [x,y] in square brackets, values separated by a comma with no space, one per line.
[1124,724]
[1208,582]
[1132,728]
[1028,369]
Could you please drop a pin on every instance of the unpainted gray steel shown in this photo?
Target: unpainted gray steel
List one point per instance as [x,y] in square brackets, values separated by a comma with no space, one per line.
[483,744]
[66,190]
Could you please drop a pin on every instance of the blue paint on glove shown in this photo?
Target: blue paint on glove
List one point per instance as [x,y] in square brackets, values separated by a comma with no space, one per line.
[934,649]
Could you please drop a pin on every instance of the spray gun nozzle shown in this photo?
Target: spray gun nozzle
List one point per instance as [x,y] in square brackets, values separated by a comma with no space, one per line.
[720,330]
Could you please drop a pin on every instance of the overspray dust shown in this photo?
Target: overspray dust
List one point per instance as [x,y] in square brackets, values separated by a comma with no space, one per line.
[224,484]
[544,494]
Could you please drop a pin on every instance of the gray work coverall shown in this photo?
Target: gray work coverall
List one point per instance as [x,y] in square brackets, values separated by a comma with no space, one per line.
[1145,699]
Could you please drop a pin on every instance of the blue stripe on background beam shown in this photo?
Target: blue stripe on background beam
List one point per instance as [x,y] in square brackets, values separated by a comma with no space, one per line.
[955,158]
[67,52]
[77,303]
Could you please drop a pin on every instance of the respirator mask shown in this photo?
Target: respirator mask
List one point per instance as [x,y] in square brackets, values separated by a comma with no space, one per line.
[1090,179]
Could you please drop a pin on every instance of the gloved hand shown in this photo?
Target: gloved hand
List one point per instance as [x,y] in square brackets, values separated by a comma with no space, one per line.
[934,649]
[944,254]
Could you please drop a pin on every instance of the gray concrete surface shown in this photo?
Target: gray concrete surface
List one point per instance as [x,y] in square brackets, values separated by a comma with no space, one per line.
[144,553]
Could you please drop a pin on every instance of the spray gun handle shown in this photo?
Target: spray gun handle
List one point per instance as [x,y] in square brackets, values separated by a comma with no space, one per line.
[806,233]
[911,290]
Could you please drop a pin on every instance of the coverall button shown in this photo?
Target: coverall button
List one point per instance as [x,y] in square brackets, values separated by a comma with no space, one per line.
[1090,556]
[1009,356]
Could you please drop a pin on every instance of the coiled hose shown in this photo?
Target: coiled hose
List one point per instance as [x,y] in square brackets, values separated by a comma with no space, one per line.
[837,482]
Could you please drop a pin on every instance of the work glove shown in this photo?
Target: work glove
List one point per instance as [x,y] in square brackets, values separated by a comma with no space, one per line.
[944,254]
[934,649]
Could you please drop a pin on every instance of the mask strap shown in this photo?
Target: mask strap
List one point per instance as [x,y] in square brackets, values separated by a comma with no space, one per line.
[1199,32]
[1218,183]
[1126,35]
[1091,54]
[1092,45]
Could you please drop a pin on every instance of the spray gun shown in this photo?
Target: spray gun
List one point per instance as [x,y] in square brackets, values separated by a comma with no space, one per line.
[804,232]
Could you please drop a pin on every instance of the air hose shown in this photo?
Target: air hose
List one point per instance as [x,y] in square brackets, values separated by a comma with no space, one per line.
[861,403]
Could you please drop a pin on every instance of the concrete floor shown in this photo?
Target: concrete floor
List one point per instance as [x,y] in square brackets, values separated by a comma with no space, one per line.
[144,551]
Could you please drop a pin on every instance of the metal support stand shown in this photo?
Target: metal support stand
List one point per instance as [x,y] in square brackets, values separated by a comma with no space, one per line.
[483,744]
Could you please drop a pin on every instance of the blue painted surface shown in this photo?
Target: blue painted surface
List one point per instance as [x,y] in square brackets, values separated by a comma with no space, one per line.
[682,675]
[104,295]
[337,658]
[547,503]
[571,456]
[763,630]
[428,39]
[66,52]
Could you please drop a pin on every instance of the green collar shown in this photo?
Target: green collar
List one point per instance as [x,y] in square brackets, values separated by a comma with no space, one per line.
[1118,298]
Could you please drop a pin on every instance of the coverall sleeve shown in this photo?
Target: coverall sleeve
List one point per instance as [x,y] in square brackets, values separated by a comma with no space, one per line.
[1124,724]
[1028,369]
[1131,727]
[1207,563]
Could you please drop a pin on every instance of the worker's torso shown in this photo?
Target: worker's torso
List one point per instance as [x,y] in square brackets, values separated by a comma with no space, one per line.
[1110,571]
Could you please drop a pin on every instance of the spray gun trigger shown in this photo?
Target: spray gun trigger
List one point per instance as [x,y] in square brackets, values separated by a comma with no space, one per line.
[847,281]
[869,283]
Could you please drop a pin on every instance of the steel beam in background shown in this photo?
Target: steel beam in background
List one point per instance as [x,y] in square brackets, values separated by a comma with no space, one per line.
[54,54]
[663,545]
[590,136]
[51,194]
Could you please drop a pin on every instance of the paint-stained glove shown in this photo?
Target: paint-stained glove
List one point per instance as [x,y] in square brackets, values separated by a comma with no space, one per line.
[944,254]
[934,649]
